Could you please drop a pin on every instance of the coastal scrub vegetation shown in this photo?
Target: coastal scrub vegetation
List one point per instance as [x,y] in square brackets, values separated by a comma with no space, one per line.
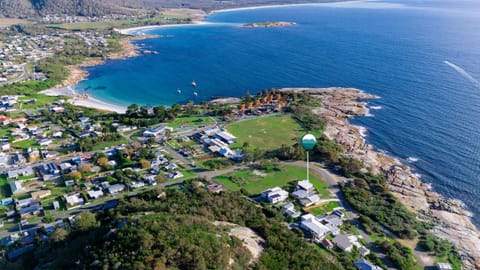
[174,229]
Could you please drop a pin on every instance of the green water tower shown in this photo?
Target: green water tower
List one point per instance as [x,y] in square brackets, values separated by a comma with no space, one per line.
[308,142]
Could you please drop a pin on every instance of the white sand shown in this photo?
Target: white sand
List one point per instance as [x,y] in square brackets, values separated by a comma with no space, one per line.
[94,103]
[133,30]
[84,100]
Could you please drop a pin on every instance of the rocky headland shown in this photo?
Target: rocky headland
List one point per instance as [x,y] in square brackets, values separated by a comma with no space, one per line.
[452,221]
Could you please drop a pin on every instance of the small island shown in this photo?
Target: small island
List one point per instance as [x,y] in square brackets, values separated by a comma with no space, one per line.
[268,24]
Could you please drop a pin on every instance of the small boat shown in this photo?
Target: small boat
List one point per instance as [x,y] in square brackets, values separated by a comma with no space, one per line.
[179,91]
[194,84]
[195,93]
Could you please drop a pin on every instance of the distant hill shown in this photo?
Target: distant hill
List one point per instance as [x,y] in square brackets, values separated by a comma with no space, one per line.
[35,8]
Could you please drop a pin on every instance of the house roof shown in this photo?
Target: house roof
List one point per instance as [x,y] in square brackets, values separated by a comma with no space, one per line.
[363,264]
[305,184]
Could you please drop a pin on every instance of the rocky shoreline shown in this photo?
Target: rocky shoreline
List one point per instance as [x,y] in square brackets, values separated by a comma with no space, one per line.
[452,221]
[267,24]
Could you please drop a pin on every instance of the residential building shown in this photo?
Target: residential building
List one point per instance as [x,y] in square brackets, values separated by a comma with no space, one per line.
[40,194]
[310,224]
[16,187]
[30,211]
[74,199]
[345,242]
[24,171]
[444,266]
[215,188]
[363,264]
[95,194]
[135,184]
[116,188]
[363,251]
[289,210]
[275,195]
[4,146]
[310,200]
[154,132]
[305,185]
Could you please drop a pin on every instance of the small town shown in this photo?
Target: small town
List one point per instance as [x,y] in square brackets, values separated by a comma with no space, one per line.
[277,179]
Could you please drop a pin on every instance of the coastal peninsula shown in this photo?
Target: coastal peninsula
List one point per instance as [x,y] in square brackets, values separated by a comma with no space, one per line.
[451,221]
[267,24]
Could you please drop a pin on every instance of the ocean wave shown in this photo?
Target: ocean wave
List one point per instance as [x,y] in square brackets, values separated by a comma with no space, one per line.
[362,130]
[376,107]
[412,159]
[419,176]
[368,113]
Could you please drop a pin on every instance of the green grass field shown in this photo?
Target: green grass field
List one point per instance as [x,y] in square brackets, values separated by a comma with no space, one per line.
[102,145]
[267,133]
[256,183]
[324,208]
[26,144]
[190,121]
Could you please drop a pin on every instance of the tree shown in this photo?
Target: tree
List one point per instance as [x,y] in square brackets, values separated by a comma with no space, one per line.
[85,168]
[75,176]
[132,109]
[102,162]
[58,235]
[85,221]
[145,164]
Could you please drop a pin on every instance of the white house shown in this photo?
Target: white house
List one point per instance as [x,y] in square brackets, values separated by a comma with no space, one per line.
[16,187]
[275,195]
[115,188]
[74,199]
[345,242]
[310,200]
[154,132]
[305,185]
[95,194]
[312,225]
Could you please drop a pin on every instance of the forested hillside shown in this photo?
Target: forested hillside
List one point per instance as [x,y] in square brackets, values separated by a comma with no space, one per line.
[32,8]
[173,229]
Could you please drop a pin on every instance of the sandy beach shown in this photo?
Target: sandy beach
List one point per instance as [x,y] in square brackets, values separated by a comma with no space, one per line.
[138,30]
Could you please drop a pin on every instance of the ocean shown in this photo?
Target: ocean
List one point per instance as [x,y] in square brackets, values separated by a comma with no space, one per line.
[421,57]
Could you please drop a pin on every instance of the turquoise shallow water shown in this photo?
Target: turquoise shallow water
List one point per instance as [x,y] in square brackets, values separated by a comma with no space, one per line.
[429,110]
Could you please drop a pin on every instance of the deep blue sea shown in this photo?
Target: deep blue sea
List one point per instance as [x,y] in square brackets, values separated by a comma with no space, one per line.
[421,57]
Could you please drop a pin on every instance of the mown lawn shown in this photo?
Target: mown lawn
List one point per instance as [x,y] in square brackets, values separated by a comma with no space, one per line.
[190,121]
[102,145]
[267,133]
[30,143]
[324,208]
[255,183]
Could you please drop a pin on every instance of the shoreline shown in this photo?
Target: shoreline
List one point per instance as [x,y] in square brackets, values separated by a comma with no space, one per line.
[78,74]
[451,220]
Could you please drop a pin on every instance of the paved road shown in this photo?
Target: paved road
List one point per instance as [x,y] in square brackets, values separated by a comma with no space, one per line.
[352,215]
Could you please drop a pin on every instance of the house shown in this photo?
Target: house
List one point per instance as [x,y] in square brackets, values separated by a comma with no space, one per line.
[171,167]
[115,188]
[289,210]
[226,137]
[74,199]
[84,119]
[327,244]
[37,195]
[215,188]
[49,171]
[154,132]
[69,183]
[6,201]
[95,194]
[56,205]
[345,242]
[135,184]
[25,203]
[311,225]
[305,185]
[444,266]
[30,211]
[50,227]
[56,109]
[175,175]
[339,213]
[4,146]
[363,264]
[44,142]
[25,171]
[310,200]
[363,251]
[16,187]
[3,159]
[275,195]
[300,194]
